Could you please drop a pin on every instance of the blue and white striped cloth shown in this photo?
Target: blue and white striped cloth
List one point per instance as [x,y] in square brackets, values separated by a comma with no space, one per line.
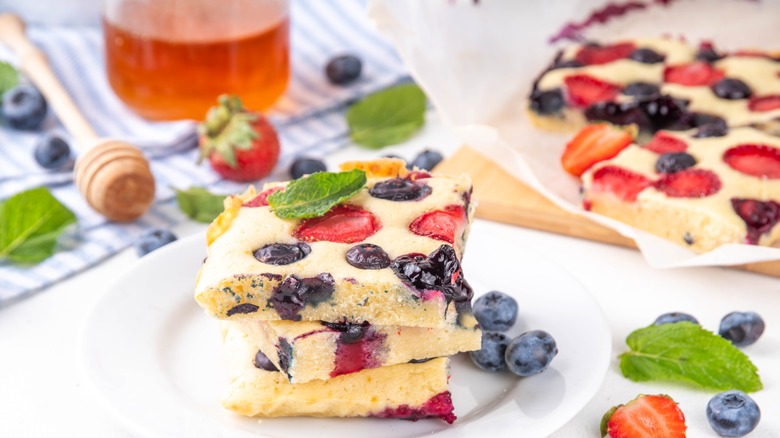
[309,119]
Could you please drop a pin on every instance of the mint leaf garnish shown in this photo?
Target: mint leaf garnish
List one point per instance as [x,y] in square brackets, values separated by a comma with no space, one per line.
[9,77]
[387,117]
[316,194]
[200,204]
[30,223]
[685,352]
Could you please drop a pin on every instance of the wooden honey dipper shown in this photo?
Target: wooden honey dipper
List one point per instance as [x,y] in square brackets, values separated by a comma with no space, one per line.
[113,175]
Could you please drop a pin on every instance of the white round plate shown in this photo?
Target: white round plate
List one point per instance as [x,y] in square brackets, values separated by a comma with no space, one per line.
[154,358]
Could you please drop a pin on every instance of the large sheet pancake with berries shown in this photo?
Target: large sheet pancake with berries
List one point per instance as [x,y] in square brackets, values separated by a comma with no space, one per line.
[504,198]
[479,81]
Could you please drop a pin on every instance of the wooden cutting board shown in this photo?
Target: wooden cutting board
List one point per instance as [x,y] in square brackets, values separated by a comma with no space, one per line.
[503,198]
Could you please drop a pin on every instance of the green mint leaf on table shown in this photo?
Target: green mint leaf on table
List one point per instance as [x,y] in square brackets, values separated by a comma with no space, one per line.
[9,77]
[200,204]
[686,352]
[316,194]
[387,117]
[30,223]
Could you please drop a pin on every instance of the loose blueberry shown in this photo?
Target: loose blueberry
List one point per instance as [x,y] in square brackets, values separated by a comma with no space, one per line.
[426,160]
[282,253]
[263,362]
[306,166]
[344,69]
[400,189]
[392,156]
[674,162]
[350,332]
[24,107]
[440,271]
[495,311]
[730,88]
[733,414]
[672,317]
[641,90]
[53,152]
[368,256]
[646,56]
[530,353]
[153,239]
[741,328]
[547,102]
[717,128]
[491,356]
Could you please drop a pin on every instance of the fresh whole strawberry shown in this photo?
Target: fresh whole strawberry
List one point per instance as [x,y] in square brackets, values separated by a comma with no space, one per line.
[647,416]
[594,143]
[241,145]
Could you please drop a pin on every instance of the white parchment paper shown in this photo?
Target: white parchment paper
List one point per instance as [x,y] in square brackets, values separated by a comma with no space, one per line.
[476,62]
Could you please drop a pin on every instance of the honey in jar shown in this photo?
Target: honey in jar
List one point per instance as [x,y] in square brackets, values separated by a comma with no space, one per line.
[171,59]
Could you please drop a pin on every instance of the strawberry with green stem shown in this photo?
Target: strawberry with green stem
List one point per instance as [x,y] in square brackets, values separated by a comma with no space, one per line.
[241,145]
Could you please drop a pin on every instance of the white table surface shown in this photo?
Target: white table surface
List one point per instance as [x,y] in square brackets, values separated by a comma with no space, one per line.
[43,392]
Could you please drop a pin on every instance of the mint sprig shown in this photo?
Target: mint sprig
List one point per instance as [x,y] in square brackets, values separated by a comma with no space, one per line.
[30,223]
[387,117]
[9,77]
[199,204]
[316,194]
[686,352]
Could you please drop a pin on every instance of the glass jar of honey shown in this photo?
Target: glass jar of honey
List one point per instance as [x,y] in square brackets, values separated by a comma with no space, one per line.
[171,59]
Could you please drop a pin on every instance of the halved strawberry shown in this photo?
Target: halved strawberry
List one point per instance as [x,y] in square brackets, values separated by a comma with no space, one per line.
[647,416]
[584,90]
[689,183]
[592,54]
[440,224]
[594,143]
[693,74]
[764,103]
[620,182]
[663,143]
[261,200]
[758,160]
[342,224]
